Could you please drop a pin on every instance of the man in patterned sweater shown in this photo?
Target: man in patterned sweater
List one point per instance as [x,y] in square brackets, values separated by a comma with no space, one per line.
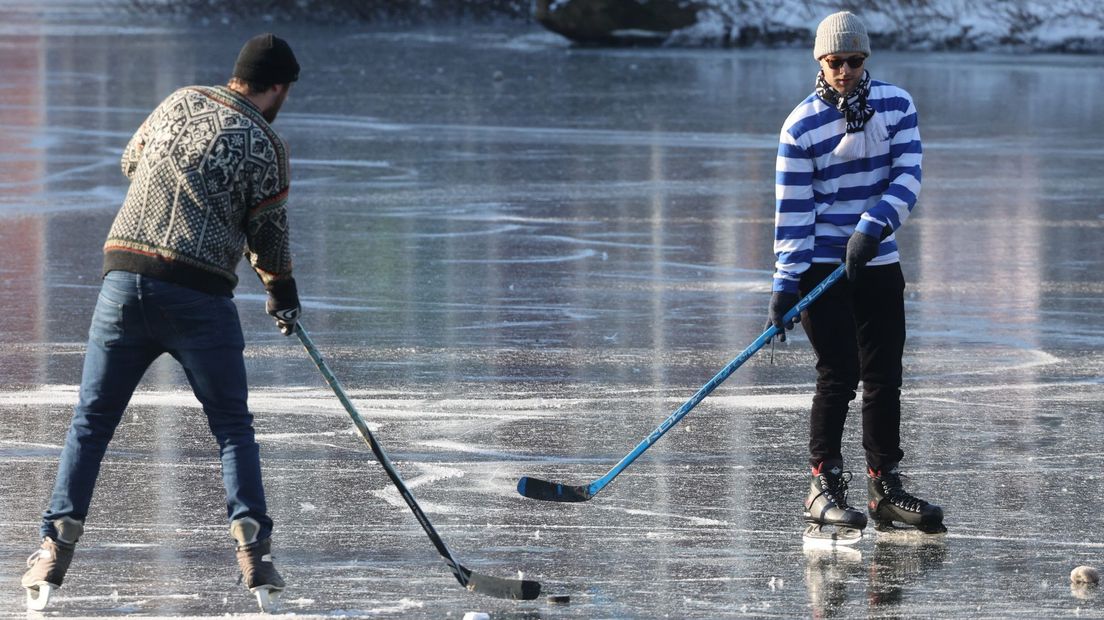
[848,174]
[208,182]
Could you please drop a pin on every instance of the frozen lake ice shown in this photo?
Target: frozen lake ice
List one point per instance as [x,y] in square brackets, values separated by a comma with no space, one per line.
[519,257]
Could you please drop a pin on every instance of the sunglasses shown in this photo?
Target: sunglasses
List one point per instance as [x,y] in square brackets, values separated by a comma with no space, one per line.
[854,62]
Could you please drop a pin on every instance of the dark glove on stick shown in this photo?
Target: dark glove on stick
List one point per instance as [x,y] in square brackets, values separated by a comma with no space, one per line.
[283,304]
[861,247]
[782,302]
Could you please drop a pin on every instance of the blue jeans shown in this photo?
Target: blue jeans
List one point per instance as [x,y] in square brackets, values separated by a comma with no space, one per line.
[137,318]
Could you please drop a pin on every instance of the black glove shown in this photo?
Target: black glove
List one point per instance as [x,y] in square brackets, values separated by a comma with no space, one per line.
[782,302]
[283,304]
[861,247]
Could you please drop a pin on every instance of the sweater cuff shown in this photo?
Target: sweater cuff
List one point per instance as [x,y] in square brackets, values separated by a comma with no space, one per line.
[782,285]
[870,227]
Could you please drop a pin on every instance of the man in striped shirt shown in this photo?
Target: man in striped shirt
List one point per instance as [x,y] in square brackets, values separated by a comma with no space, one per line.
[848,174]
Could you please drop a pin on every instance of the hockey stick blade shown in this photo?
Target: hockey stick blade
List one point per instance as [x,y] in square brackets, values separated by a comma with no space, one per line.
[497,587]
[514,589]
[535,488]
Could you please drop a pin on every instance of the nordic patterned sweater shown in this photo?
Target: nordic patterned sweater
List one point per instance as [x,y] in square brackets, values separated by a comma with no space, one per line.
[821,200]
[208,182]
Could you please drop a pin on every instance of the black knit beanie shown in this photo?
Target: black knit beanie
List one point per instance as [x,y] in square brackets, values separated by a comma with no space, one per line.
[266,59]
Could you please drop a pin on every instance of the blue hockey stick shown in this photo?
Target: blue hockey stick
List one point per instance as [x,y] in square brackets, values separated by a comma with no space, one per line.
[536,488]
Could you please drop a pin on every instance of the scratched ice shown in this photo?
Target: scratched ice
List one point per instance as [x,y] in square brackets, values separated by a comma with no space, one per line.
[526,275]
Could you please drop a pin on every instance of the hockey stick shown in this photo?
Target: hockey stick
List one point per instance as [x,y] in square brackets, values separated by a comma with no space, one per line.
[515,589]
[536,488]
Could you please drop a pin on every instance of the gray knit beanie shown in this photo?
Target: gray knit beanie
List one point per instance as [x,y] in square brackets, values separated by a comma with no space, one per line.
[841,32]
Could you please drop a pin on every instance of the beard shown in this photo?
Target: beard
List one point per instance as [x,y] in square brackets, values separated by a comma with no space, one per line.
[271,111]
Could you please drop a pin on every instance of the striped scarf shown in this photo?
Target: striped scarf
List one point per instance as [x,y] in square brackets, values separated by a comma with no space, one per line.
[856,112]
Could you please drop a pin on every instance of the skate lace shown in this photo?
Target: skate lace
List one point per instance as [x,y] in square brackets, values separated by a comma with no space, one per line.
[34,557]
[836,490]
[895,492]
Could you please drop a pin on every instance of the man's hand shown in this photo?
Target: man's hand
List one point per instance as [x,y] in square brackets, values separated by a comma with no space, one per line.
[283,304]
[861,248]
[780,303]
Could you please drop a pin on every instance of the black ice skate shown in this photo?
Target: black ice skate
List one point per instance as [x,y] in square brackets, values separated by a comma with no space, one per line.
[255,559]
[889,504]
[48,565]
[829,517]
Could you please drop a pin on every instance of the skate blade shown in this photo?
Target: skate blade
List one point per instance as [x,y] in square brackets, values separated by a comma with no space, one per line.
[268,598]
[908,533]
[38,596]
[829,536]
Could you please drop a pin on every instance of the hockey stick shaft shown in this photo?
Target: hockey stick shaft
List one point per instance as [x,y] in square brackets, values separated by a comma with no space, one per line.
[492,586]
[549,491]
[717,379]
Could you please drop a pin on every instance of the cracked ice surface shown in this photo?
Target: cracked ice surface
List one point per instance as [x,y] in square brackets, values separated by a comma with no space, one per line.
[524,277]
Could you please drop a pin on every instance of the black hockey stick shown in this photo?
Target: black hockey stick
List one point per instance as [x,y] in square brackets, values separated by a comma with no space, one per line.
[515,589]
[535,488]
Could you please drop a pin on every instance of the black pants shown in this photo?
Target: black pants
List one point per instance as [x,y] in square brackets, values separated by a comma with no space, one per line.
[858,332]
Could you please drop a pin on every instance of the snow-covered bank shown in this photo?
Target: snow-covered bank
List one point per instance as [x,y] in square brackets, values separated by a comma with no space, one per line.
[1057,25]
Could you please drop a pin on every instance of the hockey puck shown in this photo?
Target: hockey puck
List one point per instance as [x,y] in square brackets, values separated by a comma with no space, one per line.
[1085,575]
[559,599]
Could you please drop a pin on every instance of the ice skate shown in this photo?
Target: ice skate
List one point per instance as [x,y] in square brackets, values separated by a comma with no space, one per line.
[830,520]
[255,559]
[47,566]
[889,504]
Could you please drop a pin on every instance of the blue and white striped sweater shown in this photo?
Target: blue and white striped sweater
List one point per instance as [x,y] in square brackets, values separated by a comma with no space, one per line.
[820,199]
